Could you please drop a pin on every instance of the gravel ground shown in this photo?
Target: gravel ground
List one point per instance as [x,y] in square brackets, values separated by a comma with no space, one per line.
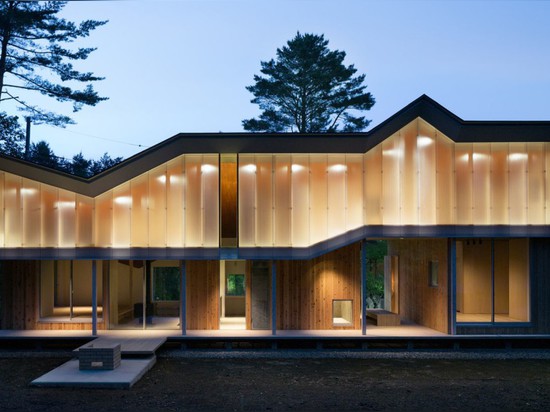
[297,381]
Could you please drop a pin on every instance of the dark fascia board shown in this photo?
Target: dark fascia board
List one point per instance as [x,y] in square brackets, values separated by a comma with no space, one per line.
[424,107]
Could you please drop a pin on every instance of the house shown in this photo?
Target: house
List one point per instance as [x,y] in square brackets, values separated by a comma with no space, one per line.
[269,231]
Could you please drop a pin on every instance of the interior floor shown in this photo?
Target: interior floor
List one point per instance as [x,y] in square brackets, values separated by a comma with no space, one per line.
[80,314]
[483,318]
[233,323]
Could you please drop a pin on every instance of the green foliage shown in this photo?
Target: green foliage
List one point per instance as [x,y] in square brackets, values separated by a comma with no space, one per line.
[41,153]
[235,285]
[166,284]
[376,250]
[308,89]
[32,41]
[12,137]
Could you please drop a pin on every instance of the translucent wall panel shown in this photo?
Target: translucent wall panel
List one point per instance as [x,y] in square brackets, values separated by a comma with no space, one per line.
[122,216]
[281,223]
[139,214]
[517,166]
[175,189]
[85,221]
[247,200]
[12,211]
[299,173]
[2,237]
[445,180]
[193,204]
[30,196]
[406,145]
[499,183]
[354,191]
[427,173]
[210,193]
[391,188]
[336,177]
[463,177]
[264,200]
[536,183]
[318,197]
[481,190]
[156,207]
[103,220]
[373,186]
[66,208]
[50,216]
[547,181]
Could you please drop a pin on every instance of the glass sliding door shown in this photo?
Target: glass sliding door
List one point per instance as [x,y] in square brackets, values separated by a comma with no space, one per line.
[145,294]
[492,281]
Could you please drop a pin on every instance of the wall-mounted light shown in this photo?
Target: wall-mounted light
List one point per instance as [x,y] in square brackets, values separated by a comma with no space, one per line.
[423,141]
[28,191]
[250,168]
[206,168]
[162,179]
[69,204]
[337,168]
[516,157]
[123,200]
[296,168]
[392,152]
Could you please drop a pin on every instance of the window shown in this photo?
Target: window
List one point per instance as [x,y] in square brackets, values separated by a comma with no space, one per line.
[66,290]
[492,280]
[234,285]
[342,312]
[433,278]
[166,284]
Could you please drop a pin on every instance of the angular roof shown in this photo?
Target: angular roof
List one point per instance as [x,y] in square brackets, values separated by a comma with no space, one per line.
[460,131]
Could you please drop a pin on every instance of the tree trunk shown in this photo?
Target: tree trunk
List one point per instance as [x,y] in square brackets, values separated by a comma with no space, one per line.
[6,33]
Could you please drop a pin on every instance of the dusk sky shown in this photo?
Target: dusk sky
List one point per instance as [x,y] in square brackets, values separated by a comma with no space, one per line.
[182,66]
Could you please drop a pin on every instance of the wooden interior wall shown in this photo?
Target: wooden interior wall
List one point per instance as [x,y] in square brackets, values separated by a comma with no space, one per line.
[306,288]
[539,272]
[419,302]
[19,299]
[203,294]
[228,198]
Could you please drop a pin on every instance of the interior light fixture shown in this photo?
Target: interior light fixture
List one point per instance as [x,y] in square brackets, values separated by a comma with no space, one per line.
[423,141]
[250,168]
[206,168]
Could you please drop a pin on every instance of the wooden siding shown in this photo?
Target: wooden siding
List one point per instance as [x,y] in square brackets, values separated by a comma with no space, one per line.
[203,294]
[19,299]
[228,199]
[539,272]
[306,289]
[418,302]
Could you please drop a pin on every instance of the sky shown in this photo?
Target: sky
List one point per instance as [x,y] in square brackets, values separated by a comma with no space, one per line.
[182,66]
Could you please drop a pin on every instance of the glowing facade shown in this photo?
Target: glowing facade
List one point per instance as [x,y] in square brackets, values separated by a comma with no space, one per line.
[219,200]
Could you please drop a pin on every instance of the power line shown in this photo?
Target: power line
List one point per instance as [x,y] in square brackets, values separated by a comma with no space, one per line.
[107,139]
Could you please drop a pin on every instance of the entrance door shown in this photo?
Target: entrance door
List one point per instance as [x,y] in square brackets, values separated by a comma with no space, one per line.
[260,295]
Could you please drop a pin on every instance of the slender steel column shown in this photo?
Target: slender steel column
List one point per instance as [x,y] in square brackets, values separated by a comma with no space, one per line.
[144,294]
[364,287]
[94,298]
[183,298]
[452,286]
[71,292]
[273,297]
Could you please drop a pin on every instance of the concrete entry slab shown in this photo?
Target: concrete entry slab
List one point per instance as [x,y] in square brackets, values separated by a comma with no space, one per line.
[129,346]
[123,377]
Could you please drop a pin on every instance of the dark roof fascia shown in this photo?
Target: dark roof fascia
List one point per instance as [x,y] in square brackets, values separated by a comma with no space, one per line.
[424,107]
[43,174]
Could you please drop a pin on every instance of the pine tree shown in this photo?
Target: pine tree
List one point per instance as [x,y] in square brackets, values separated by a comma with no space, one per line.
[308,89]
[34,57]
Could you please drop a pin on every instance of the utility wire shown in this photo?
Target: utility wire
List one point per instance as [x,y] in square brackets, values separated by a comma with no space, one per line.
[106,139]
